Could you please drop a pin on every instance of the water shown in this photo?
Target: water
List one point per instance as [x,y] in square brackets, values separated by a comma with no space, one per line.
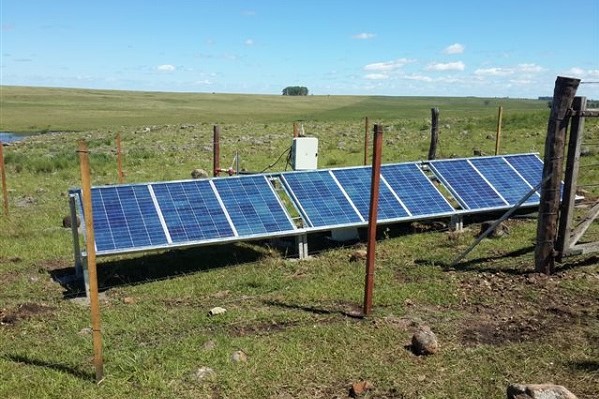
[6,137]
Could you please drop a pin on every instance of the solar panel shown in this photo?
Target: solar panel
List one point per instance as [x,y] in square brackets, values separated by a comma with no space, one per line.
[509,183]
[415,190]
[468,186]
[357,184]
[253,205]
[529,166]
[191,211]
[320,199]
[125,217]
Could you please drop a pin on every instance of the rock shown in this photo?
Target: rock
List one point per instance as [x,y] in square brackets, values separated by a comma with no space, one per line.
[478,153]
[67,222]
[85,331]
[204,373]
[209,345]
[199,174]
[499,231]
[358,255]
[239,357]
[359,388]
[424,342]
[216,310]
[128,300]
[538,391]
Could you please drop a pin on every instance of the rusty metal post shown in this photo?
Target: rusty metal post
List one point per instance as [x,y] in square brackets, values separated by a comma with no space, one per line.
[3,172]
[216,151]
[432,150]
[498,134]
[91,259]
[563,96]
[366,140]
[119,159]
[372,217]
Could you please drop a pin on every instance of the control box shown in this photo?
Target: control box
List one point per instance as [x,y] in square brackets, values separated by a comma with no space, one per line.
[304,153]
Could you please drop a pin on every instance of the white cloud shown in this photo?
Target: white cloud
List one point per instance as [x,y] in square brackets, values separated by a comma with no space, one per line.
[526,69]
[449,66]
[494,71]
[364,36]
[455,48]
[166,68]
[249,42]
[376,76]
[388,65]
[582,73]
[419,78]
[530,68]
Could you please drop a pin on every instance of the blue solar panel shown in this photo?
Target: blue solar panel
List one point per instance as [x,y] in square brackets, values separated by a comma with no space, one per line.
[505,179]
[470,189]
[415,190]
[529,166]
[253,205]
[125,217]
[320,198]
[192,211]
[357,184]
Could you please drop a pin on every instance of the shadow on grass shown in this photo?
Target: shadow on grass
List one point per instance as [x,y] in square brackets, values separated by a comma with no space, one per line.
[589,366]
[350,311]
[151,267]
[74,371]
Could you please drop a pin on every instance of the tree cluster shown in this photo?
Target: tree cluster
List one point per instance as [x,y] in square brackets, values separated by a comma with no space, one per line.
[295,91]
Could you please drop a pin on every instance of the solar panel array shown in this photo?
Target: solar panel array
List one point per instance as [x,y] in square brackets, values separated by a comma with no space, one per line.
[138,217]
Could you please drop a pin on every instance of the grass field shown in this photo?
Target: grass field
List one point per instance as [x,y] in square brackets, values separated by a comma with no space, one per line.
[497,322]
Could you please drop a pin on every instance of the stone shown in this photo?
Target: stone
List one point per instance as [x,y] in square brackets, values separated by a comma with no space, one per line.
[538,391]
[199,174]
[359,388]
[424,342]
[499,231]
[216,311]
[239,357]
[128,300]
[358,255]
[204,373]
[67,222]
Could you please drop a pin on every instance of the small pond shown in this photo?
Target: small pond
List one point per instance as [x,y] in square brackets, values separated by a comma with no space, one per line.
[8,138]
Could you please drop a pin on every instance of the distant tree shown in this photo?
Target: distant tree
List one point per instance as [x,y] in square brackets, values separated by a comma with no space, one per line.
[295,91]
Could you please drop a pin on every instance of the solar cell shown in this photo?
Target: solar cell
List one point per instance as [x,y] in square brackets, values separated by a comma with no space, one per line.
[529,166]
[320,199]
[125,218]
[191,211]
[357,184]
[468,186]
[253,205]
[509,183]
[415,190]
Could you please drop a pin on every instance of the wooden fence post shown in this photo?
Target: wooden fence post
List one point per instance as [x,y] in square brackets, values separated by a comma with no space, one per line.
[119,159]
[372,218]
[366,140]
[563,96]
[91,259]
[498,135]
[3,172]
[216,151]
[432,150]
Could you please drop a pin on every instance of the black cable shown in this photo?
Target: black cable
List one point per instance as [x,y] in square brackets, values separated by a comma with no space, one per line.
[278,159]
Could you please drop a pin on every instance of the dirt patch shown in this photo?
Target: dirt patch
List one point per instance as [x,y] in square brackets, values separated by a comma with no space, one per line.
[504,308]
[23,312]
[55,264]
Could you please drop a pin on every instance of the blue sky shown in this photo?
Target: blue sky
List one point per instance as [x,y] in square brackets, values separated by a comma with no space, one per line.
[513,48]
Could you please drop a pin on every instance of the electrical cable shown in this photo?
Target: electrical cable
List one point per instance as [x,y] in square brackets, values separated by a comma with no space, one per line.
[288,150]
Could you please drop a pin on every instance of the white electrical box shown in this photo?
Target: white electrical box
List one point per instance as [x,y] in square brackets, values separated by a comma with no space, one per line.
[304,153]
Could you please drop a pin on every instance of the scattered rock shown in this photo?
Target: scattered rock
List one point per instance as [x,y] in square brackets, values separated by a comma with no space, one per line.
[538,391]
[67,222]
[204,373]
[239,357]
[128,300]
[216,310]
[358,255]
[85,331]
[25,202]
[209,345]
[499,231]
[359,388]
[424,342]
[199,174]
[478,153]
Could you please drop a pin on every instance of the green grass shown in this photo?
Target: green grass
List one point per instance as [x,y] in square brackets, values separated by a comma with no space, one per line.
[497,322]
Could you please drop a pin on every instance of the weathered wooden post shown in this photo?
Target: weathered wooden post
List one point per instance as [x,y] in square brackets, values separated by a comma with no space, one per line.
[372,218]
[295,130]
[3,172]
[216,151]
[498,135]
[432,150]
[563,96]
[91,259]
[366,140]
[119,159]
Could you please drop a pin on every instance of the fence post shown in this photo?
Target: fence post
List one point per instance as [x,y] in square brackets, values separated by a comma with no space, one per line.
[3,172]
[372,218]
[366,140]
[563,96]
[119,159]
[432,150]
[498,135]
[216,151]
